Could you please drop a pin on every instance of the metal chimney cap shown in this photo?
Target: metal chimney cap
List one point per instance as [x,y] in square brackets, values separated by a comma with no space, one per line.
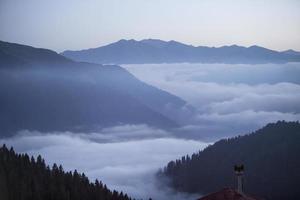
[239,168]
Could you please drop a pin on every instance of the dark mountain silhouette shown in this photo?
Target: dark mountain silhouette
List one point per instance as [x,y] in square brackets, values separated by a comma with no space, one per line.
[270,156]
[158,51]
[42,90]
[22,177]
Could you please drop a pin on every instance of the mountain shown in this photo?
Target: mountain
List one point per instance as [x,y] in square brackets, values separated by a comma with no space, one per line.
[22,177]
[291,52]
[158,51]
[270,156]
[44,91]
[12,54]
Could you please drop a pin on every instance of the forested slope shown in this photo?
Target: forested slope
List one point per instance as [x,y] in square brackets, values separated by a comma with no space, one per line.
[24,178]
[270,155]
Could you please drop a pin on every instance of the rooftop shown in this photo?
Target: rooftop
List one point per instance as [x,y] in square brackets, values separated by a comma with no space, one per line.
[227,194]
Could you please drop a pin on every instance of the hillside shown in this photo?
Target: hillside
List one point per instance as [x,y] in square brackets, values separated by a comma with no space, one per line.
[48,92]
[22,177]
[271,159]
[12,54]
[158,51]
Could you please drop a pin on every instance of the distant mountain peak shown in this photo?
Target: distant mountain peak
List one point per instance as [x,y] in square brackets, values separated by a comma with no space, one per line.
[125,41]
[159,51]
[291,52]
[234,46]
[179,43]
[154,42]
[255,47]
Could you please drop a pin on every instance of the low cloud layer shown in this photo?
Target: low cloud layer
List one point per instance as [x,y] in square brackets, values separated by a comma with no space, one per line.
[231,99]
[125,164]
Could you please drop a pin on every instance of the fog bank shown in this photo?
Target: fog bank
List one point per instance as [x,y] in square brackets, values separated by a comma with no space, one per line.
[231,99]
[127,165]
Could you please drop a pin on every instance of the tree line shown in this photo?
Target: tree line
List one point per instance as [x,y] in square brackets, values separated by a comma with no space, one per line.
[271,157]
[26,178]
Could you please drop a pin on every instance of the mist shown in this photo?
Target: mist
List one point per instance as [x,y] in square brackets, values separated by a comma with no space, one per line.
[227,100]
[230,99]
[122,162]
[81,97]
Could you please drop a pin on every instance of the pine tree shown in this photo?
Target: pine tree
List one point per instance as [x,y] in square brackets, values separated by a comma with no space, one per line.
[26,178]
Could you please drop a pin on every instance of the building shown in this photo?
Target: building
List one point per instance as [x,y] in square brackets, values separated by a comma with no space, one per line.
[228,194]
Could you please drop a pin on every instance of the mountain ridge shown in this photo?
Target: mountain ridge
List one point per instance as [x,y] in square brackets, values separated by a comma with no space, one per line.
[29,55]
[52,93]
[148,51]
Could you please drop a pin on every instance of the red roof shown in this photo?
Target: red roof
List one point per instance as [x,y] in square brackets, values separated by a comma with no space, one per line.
[227,194]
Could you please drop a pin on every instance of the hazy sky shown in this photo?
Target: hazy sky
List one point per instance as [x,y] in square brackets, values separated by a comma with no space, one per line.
[78,24]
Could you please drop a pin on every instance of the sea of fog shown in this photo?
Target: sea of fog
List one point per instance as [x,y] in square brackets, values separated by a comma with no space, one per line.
[113,156]
[229,100]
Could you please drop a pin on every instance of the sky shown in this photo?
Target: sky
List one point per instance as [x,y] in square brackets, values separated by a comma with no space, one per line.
[228,101]
[79,24]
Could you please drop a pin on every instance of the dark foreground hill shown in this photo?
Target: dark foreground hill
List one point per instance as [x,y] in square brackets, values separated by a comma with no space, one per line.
[270,155]
[158,51]
[24,178]
[42,90]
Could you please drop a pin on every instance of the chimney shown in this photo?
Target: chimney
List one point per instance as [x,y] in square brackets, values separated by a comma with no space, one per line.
[239,172]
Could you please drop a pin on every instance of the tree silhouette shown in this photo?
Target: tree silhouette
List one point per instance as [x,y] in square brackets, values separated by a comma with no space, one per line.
[26,178]
[271,155]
